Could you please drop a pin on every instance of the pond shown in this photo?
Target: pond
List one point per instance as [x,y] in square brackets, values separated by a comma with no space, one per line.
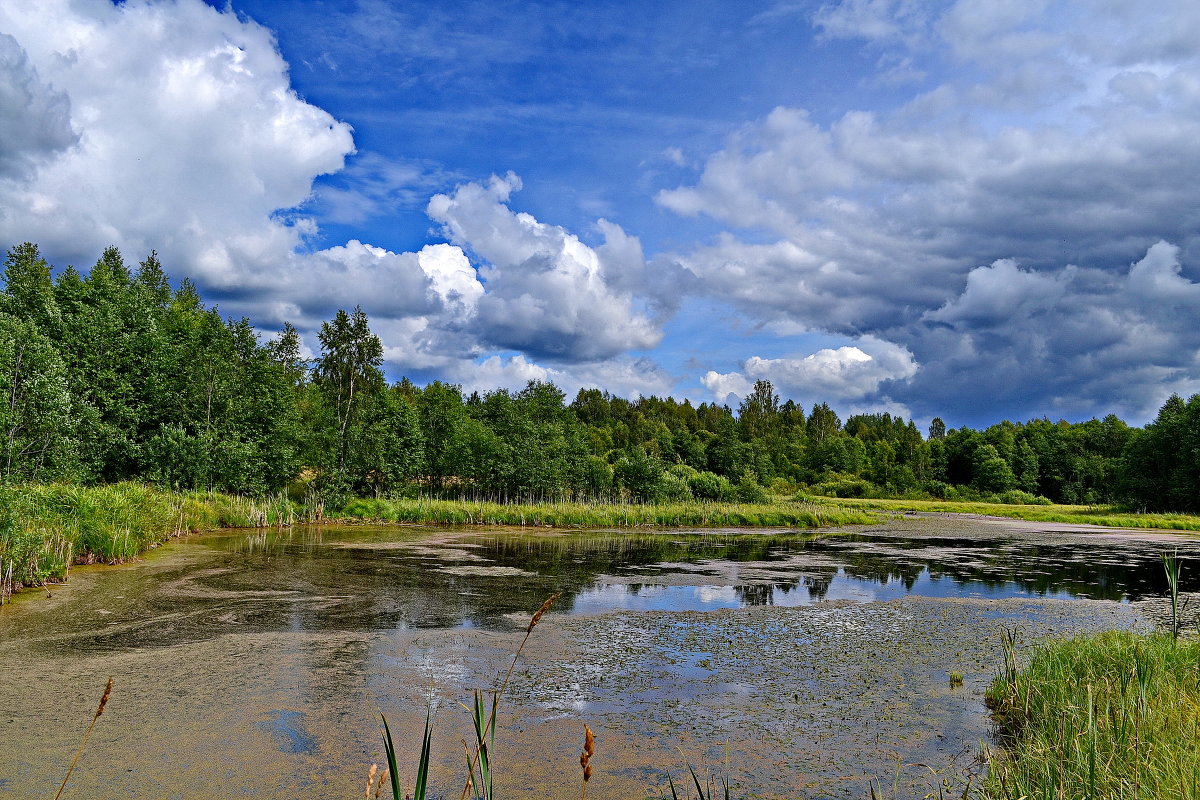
[797,664]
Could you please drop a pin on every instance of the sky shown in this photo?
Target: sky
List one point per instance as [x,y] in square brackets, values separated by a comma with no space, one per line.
[972,209]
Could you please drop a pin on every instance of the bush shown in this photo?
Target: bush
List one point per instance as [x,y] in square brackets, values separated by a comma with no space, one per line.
[712,487]
[748,490]
[1018,497]
[672,489]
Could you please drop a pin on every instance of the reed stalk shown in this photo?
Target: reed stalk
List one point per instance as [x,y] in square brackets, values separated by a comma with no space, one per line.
[86,735]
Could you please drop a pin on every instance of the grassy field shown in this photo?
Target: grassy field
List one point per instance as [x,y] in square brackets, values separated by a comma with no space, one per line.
[600,515]
[1113,716]
[46,528]
[1088,515]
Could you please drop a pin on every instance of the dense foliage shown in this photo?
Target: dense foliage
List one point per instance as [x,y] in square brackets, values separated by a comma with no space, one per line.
[115,376]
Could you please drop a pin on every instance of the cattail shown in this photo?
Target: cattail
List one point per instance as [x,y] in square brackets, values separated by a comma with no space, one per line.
[99,710]
[371,780]
[585,758]
[537,615]
[104,699]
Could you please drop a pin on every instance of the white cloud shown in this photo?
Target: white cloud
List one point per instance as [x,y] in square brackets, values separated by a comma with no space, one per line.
[548,294]
[173,126]
[1046,133]
[850,375]
[189,137]
[624,377]
[1003,292]
[722,385]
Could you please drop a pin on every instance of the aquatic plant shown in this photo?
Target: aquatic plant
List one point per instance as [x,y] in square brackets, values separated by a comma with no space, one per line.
[1109,716]
[1106,516]
[1172,564]
[45,528]
[603,515]
[585,759]
[701,794]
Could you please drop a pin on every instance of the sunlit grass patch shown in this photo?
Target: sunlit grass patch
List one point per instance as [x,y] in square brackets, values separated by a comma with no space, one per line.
[45,528]
[1113,716]
[1108,516]
[605,515]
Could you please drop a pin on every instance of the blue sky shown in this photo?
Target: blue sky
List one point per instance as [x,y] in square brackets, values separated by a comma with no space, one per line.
[978,209]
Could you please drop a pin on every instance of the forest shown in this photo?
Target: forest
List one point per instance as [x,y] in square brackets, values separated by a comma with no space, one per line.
[114,375]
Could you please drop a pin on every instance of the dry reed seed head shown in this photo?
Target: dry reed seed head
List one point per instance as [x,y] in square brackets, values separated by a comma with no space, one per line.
[104,698]
[382,780]
[537,615]
[370,780]
[589,749]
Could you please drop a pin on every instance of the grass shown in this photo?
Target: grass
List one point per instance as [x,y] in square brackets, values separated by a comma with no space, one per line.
[1111,716]
[45,528]
[601,515]
[1109,516]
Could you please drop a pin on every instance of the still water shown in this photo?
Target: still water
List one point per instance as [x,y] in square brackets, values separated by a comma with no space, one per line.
[255,663]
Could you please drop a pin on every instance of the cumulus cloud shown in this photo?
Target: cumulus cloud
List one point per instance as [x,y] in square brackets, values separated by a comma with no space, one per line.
[842,375]
[548,294]
[1054,141]
[624,377]
[35,119]
[208,157]
[193,157]
[1069,341]
[726,384]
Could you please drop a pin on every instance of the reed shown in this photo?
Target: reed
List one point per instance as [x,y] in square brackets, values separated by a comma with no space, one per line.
[1107,516]
[1172,564]
[603,515]
[1111,716]
[86,734]
[46,528]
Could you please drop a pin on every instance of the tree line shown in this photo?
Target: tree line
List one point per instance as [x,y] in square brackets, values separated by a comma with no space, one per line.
[116,376]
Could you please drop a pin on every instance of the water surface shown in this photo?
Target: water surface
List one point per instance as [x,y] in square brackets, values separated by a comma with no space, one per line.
[253,663]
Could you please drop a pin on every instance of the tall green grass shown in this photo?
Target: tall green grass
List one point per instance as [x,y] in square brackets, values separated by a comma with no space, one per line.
[1108,516]
[45,528]
[600,515]
[1111,716]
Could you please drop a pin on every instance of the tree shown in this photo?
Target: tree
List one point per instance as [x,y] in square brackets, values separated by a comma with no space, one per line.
[348,372]
[992,473]
[28,291]
[386,447]
[758,415]
[35,406]
[822,425]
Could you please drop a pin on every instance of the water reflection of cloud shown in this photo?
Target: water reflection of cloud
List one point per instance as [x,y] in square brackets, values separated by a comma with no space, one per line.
[716,594]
